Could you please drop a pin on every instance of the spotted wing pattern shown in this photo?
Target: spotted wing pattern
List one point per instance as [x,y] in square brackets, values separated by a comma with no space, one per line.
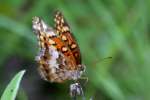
[56,59]
[63,29]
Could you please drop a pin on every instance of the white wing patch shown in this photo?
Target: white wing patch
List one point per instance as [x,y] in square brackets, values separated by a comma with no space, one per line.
[40,26]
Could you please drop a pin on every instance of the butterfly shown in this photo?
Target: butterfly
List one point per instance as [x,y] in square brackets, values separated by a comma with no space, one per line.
[59,58]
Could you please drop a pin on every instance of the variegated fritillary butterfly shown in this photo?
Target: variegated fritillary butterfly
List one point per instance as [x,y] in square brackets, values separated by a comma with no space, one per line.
[59,58]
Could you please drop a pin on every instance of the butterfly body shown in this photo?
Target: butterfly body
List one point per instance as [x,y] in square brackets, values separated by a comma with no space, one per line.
[59,58]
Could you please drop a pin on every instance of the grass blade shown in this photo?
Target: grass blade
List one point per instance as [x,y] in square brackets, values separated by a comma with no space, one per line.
[12,88]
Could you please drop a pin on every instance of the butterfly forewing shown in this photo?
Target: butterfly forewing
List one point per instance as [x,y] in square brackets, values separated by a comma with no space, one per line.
[62,28]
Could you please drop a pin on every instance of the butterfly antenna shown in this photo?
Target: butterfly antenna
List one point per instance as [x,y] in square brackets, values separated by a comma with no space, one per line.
[102,60]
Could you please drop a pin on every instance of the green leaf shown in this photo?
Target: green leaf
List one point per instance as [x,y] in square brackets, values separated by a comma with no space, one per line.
[12,88]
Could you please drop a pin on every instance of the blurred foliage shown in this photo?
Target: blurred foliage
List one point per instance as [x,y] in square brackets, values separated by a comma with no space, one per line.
[103,28]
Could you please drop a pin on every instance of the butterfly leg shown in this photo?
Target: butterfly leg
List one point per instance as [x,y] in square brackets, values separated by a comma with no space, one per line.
[85,79]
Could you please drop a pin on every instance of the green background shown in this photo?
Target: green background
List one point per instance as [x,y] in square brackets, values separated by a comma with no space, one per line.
[103,28]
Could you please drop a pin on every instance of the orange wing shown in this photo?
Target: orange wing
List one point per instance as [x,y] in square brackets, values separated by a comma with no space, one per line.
[63,30]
